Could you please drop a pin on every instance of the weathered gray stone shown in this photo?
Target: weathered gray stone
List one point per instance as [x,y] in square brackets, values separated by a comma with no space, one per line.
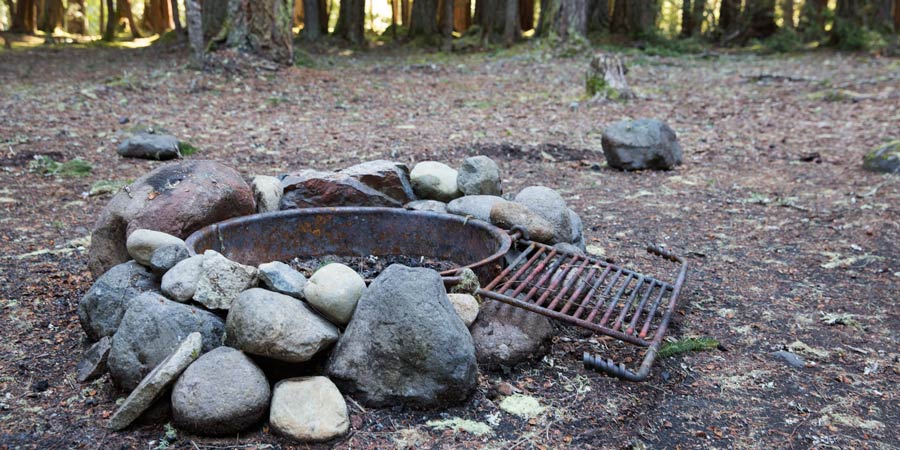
[466,306]
[577,234]
[309,409]
[567,247]
[476,206]
[165,258]
[427,205]
[548,204]
[93,362]
[274,325]
[885,159]
[505,335]
[510,214]
[157,381]
[152,328]
[388,177]
[790,359]
[641,144]
[177,199]
[180,282]
[267,191]
[311,188]
[102,307]
[406,344]
[222,280]
[435,181]
[479,175]
[280,277]
[142,243]
[150,146]
[334,290]
[221,393]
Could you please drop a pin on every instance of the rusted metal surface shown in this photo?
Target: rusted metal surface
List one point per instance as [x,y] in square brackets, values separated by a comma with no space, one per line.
[593,294]
[357,231]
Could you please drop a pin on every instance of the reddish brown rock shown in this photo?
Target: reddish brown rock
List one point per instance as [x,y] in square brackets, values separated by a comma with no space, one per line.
[177,199]
[311,188]
[388,177]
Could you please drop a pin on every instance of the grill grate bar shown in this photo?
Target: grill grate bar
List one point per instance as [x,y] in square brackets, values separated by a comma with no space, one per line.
[547,275]
[582,283]
[509,268]
[513,279]
[640,307]
[590,293]
[627,306]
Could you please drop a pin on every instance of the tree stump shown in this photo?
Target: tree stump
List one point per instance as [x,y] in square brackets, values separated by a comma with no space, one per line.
[605,79]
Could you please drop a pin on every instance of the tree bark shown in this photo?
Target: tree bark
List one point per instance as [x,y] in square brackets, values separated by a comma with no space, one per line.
[25,17]
[109,32]
[263,27]
[787,11]
[759,19]
[176,16]
[729,13]
[882,17]
[123,11]
[896,14]
[526,15]
[351,21]
[312,29]
[447,25]
[76,19]
[195,32]
[564,18]
[158,16]
[51,17]
[635,18]
[424,18]
[213,19]
[406,11]
[687,18]
[512,22]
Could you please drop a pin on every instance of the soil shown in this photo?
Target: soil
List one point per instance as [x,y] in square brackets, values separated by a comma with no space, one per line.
[791,244]
[370,266]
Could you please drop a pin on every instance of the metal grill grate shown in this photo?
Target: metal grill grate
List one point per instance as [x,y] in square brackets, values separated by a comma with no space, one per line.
[594,294]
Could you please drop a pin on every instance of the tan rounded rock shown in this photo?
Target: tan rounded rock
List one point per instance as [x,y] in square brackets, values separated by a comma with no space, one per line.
[308,409]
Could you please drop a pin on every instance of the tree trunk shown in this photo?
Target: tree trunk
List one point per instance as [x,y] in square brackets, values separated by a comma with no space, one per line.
[787,12]
[109,32]
[176,15]
[759,19]
[406,11]
[25,18]
[729,13]
[447,25]
[462,15]
[512,22]
[76,19]
[698,13]
[123,11]
[424,18]
[605,79]
[51,17]
[896,14]
[263,27]
[687,18]
[882,18]
[213,19]
[312,29]
[195,32]
[564,18]
[526,15]
[158,16]
[635,18]
[351,21]
[812,17]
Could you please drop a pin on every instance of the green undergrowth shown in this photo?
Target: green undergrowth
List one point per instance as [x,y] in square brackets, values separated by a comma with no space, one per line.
[685,345]
[45,165]
[186,149]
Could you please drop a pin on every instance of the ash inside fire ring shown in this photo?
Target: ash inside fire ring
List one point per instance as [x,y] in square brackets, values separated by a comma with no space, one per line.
[369,266]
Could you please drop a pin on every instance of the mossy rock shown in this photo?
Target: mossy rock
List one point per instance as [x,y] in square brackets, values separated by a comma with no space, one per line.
[885,159]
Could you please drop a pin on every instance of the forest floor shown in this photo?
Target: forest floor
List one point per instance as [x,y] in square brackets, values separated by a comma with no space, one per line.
[791,245]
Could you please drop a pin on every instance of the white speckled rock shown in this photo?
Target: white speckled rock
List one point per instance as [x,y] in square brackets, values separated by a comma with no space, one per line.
[142,243]
[334,291]
[267,192]
[466,306]
[479,175]
[222,280]
[308,409]
[435,181]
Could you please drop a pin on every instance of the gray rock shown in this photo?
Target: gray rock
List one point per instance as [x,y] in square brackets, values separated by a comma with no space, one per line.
[311,188]
[93,362]
[548,204]
[427,205]
[157,381]
[166,257]
[577,231]
[280,277]
[505,335]
[388,177]
[152,328]
[177,199]
[150,146]
[885,159]
[466,306]
[308,409]
[406,344]
[223,392]
[274,325]
[180,282]
[479,175]
[468,283]
[142,243]
[267,192]
[102,307]
[334,290]
[567,247]
[476,206]
[641,144]
[222,280]
[510,214]
[790,358]
[434,181]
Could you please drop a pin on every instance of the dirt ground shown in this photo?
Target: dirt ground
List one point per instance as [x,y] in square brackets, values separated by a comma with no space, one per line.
[791,245]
